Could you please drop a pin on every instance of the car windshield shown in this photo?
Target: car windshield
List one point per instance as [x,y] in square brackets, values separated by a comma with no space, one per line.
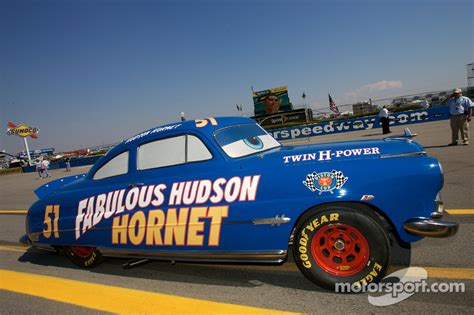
[243,140]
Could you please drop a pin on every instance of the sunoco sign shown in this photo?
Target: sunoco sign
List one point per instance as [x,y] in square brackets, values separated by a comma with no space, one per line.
[22,131]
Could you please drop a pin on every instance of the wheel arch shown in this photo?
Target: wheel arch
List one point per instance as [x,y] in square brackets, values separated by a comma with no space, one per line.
[372,211]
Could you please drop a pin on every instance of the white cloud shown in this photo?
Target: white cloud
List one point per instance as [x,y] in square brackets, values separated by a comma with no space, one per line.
[383,85]
[371,90]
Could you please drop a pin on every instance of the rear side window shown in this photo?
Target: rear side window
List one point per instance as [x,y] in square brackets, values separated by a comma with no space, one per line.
[196,150]
[172,151]
[116,166]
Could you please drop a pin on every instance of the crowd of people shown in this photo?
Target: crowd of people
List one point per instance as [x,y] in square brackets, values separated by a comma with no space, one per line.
[42,167]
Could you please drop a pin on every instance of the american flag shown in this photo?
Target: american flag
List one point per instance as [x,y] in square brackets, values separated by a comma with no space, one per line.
[332,105]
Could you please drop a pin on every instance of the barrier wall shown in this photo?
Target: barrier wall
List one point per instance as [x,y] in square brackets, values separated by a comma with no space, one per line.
[362,123]
[82,161]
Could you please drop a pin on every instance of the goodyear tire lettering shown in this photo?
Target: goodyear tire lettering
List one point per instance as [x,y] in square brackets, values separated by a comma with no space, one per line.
[303,241]
[322,228]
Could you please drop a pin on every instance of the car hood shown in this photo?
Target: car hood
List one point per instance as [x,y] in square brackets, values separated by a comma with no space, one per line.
[54,185]
[348,150]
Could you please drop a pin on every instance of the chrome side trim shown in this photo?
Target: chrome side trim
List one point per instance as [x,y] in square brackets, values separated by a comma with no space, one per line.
[275,257]
[367,198]
[419,153]
[277,220]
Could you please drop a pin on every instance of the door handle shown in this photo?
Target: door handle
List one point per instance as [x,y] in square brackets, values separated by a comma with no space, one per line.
[131,185]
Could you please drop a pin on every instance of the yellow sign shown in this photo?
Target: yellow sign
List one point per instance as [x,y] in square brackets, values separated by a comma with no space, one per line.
[22,130]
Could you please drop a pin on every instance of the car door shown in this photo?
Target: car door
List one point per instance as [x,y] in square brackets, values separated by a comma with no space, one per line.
[87,209]
[169,215]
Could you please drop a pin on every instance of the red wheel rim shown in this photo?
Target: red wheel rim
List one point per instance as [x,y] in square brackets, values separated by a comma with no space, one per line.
[82,251]
[340,249]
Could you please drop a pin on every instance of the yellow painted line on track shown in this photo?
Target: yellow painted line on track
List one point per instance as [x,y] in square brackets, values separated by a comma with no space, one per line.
[12,248]
[460,211]
[114,299]
[450,273]
[13,211]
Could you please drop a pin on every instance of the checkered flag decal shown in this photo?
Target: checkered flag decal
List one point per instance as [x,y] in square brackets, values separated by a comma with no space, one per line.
[340,178]
[338,175]
[309,182]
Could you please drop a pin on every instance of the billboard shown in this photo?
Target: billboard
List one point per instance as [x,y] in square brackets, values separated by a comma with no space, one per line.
[289,117]
[271,101]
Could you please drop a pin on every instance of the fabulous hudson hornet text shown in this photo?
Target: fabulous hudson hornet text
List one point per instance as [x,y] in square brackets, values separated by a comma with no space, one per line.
[179,224]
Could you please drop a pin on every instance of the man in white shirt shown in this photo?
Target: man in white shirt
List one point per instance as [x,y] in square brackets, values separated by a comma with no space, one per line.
[385,120]
[46,168]
[460,113]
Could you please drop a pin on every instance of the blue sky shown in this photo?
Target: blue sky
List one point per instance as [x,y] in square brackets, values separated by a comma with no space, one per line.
[94,72]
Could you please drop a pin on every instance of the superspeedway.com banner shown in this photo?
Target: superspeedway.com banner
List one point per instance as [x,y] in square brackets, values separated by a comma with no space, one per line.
[362,123]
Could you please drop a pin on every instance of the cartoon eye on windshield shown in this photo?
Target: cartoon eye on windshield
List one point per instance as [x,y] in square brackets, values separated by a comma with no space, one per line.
[242,140]
[254,142]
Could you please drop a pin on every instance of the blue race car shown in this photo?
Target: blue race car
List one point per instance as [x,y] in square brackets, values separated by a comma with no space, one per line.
[224,190]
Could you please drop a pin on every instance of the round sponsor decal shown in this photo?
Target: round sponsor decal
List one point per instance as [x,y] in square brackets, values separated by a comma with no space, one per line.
[325,181]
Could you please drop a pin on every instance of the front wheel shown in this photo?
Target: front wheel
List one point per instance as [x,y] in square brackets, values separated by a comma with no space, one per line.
[85,257]
[341,244]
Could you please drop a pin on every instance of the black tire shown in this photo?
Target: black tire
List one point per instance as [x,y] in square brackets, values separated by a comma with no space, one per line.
[341,243]
[85,257]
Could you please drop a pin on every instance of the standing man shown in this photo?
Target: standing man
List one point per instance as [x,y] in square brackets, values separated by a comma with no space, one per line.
[385,120]
[39,169]
[45,167]
[67,161]
[460,112]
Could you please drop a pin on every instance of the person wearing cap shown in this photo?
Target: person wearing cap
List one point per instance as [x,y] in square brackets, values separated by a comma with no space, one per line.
[460,113]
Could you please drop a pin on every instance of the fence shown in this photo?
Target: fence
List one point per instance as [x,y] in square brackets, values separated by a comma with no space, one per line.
[75,162]
[425,99]
[361,123]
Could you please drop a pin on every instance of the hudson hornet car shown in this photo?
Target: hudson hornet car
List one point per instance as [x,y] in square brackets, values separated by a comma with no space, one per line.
[224,190]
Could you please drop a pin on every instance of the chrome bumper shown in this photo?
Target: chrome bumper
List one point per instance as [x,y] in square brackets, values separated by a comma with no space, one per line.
[430,228]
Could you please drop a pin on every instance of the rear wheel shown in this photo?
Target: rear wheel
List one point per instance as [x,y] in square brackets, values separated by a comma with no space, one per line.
[341,244]
[85,257]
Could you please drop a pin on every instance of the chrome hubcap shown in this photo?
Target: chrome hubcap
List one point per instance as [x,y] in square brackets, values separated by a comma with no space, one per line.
[339,244]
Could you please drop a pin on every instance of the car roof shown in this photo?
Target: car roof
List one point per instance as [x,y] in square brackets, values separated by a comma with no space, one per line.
[205,126]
